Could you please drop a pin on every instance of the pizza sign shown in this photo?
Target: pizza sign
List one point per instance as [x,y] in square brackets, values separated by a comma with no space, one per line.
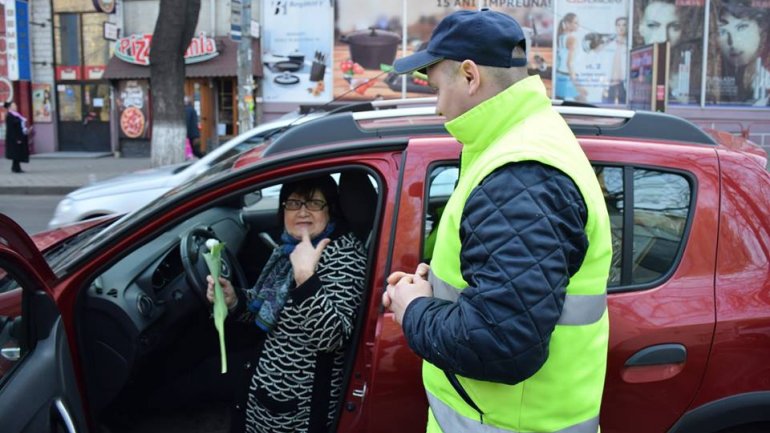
[133,108]
[132,122]
[136,49]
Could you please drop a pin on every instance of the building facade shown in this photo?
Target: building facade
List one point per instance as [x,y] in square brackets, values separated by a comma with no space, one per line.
[75,67]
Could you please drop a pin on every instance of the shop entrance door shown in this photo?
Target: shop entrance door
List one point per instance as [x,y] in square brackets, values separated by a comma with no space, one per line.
[84,116]
[200,90]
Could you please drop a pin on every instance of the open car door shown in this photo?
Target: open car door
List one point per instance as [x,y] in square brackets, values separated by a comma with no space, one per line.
[38,389]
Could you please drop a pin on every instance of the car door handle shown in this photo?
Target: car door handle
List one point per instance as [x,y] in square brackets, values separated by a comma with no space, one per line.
[657,355]
[11,353]
[65,416]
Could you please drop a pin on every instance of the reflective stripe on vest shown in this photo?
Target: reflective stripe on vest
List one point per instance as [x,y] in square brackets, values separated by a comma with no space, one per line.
[452,422]
[577,309]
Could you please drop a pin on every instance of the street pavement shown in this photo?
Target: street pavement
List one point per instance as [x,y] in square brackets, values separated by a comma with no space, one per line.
[62,172]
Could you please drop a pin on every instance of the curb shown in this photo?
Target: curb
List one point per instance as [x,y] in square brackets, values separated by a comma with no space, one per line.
[37,190]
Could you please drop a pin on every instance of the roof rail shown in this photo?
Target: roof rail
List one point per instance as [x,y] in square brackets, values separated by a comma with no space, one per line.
[344,126]
[648,125]
[377,104]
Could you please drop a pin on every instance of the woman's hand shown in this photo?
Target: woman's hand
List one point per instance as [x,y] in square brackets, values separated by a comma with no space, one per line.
[227,290]
[305,257]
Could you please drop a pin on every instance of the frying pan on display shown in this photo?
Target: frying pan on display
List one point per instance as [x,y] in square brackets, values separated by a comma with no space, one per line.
[286,79]
[286,66]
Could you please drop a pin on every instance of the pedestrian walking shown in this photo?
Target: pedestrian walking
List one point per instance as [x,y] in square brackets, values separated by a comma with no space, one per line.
[16,133]
[511,315]
[191,123]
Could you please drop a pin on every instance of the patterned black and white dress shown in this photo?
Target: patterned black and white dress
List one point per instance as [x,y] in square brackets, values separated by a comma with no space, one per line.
[297,378]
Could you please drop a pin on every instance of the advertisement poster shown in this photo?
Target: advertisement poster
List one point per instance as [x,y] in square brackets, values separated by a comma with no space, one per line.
[370,33]
[41,103]
[297,51]
[681,23]
[591,51]
[133,102]
[739,53]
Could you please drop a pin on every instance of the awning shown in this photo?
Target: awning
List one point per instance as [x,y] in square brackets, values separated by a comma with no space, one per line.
[223,65]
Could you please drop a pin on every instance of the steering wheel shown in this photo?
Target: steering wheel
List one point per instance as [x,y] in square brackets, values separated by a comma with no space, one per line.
[192,246]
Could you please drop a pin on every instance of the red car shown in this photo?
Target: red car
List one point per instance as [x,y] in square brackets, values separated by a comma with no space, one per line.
[107,327]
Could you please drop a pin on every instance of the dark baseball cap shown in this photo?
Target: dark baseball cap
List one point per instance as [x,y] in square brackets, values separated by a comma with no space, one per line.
[487,37]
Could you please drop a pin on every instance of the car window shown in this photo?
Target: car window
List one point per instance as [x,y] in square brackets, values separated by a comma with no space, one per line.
[660,210]
[441,182]
[10,328]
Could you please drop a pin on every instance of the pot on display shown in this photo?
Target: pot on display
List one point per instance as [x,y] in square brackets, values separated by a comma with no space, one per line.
[370,48]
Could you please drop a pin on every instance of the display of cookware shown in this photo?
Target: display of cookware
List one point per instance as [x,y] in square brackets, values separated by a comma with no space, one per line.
[285,66]
[318,68]
[286,79]
[294,57]
[370,48]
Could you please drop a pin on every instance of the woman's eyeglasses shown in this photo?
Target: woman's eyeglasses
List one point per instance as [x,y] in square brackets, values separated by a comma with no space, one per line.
[312,205]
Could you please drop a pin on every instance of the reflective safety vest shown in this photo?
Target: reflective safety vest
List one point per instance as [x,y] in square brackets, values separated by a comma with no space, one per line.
[564,396]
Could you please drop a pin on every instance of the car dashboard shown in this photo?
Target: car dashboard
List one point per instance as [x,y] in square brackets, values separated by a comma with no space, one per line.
[143,302]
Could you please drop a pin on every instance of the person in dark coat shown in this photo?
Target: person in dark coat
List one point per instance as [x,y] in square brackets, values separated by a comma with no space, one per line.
[16,130]
[191,123]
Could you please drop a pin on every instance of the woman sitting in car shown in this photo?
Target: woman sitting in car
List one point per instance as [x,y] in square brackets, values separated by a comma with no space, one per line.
[305,301]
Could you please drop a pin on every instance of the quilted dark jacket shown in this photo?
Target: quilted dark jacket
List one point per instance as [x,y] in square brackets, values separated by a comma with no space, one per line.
[522,236]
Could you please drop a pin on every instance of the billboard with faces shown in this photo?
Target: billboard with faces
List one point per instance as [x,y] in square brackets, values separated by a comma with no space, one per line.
[738,71]
[681,24]
[591,51]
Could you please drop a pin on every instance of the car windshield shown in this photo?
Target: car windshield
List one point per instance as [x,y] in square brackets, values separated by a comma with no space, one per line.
[61,252]
[84,243]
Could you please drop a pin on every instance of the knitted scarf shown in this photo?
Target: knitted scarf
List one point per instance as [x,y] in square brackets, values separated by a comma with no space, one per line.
[275,281]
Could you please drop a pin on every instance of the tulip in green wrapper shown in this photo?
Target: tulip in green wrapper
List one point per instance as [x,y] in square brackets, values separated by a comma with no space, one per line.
[213,260]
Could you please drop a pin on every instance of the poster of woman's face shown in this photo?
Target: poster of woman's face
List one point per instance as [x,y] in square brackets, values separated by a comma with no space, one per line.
[660,23]
[680,23]
[738,70]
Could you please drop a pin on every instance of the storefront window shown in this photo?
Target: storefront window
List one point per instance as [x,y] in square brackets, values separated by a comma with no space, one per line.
[97,101]
[96,51]
[226,110]
[70,102]
[73,6]
[67,39]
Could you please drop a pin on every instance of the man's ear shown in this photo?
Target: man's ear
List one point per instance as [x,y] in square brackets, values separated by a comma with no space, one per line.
[470,71]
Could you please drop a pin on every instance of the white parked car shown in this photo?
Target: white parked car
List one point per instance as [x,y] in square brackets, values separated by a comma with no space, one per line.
[129,192]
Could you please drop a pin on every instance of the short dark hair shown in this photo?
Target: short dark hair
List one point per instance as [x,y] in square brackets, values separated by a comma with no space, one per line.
[306,187]
[7,104]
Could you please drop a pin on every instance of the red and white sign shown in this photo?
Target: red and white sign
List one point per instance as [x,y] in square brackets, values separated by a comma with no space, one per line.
[94,72]
[68,73]
[136,49]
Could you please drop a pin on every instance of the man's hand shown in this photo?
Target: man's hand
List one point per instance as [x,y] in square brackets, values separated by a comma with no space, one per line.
[305,257]
[404,288]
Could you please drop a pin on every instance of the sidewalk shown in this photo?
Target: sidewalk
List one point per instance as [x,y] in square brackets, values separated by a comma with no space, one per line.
[62,172]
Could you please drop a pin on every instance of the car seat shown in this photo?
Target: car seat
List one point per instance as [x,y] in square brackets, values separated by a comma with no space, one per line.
[358,200]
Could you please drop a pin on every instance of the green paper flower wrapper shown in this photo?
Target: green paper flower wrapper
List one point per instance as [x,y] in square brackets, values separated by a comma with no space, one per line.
[214,262]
